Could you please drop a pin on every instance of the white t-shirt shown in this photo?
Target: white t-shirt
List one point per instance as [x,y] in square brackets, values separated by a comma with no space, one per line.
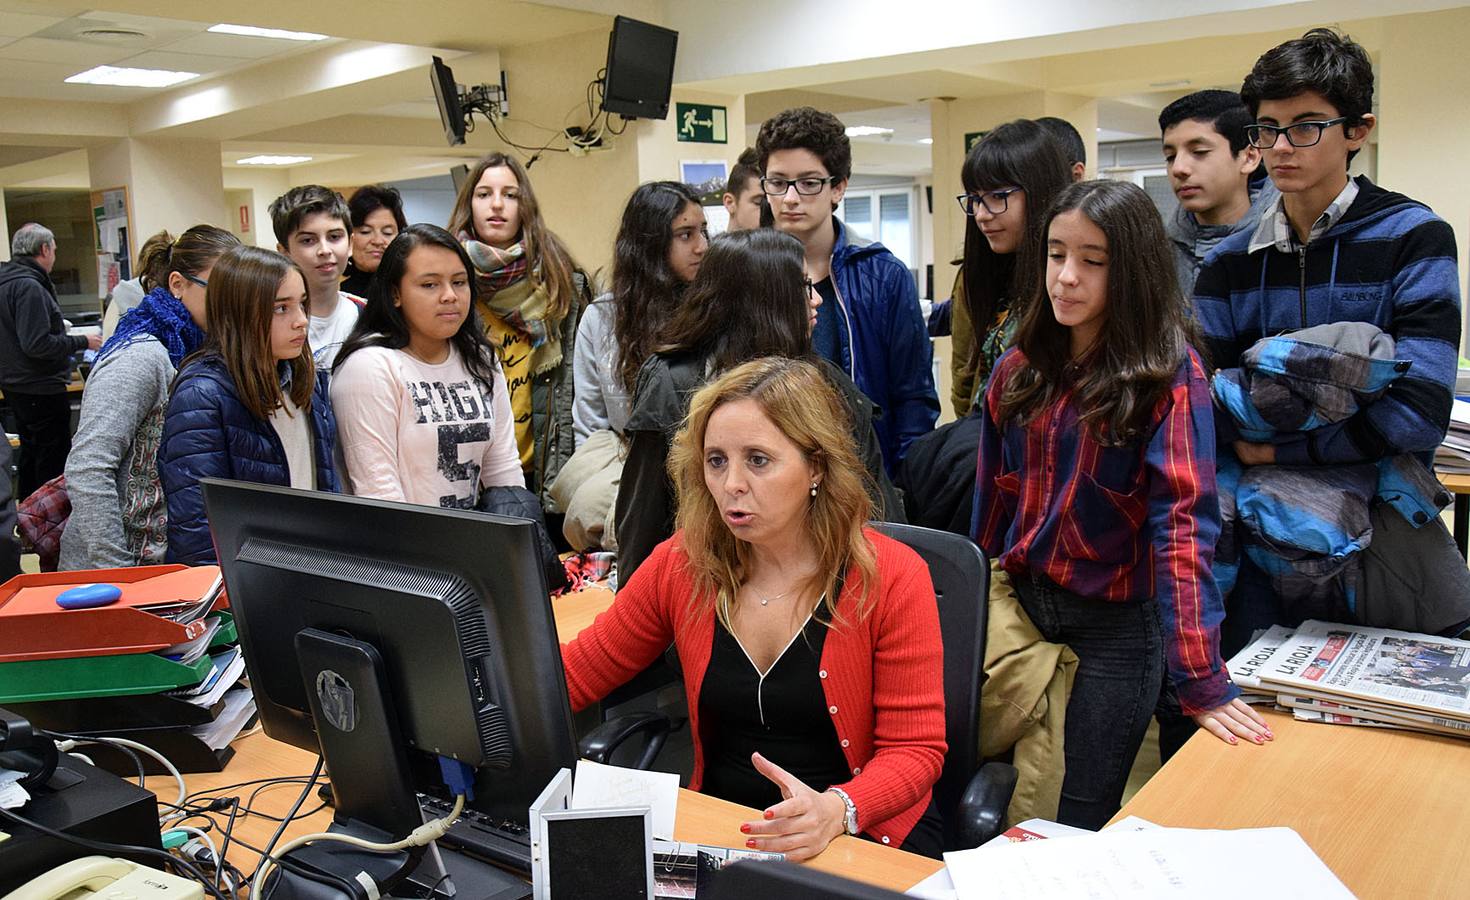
[326,334]
[294,429]
[422,433]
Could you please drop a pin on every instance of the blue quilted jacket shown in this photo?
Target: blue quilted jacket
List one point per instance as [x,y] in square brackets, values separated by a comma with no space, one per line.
[208,433]
[883,341]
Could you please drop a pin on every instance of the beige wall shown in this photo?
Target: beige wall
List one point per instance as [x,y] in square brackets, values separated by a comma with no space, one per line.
[1423,81]
[659,149]
[172,184]
[261,186]
[581,198]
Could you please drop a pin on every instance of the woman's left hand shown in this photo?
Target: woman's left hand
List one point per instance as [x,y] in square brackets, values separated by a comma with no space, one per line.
[1233,721]
[802,824]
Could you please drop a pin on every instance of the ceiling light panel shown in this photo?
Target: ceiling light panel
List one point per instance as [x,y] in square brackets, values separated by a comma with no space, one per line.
[867,131]
[266,159]
[277,33]
[125,76]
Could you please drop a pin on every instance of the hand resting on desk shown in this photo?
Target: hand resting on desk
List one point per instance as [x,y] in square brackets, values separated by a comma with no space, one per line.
[1233,721]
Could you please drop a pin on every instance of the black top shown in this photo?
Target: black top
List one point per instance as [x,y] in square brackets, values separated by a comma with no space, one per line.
[356,281]
[783,715]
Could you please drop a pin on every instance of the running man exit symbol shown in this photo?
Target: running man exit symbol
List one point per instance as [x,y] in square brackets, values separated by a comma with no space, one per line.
[700,123]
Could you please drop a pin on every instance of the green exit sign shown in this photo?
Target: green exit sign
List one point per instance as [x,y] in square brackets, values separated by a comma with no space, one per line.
[700,123]
[972,138]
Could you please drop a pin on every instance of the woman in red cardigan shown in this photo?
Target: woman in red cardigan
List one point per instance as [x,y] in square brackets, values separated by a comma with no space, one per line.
[810,645]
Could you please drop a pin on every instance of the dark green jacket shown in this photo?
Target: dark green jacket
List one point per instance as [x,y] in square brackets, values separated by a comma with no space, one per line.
[551,405]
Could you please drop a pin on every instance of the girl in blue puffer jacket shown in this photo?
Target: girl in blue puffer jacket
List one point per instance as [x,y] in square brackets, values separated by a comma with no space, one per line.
[249,405]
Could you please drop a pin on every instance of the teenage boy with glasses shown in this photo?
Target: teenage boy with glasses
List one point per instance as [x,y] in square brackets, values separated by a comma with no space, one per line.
[1334,249]
[869,323]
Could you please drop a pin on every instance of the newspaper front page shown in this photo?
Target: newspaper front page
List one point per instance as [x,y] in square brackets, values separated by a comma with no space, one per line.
[1374,665]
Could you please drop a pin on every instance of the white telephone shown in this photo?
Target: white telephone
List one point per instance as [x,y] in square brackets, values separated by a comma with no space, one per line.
[105,877]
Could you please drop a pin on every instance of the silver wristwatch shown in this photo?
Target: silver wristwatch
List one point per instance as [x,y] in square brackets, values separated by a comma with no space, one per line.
[849,820]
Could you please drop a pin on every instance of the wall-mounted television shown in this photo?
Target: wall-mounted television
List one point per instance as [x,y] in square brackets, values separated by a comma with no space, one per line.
[640,69]
[446,95]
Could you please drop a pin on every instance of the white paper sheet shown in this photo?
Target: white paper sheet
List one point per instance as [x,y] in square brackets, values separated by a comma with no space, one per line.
[595,786]
[1159,863]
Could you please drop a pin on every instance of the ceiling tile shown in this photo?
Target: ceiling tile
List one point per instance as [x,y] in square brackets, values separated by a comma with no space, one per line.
[232,45]
[14,24]
[72,53]
[184,62]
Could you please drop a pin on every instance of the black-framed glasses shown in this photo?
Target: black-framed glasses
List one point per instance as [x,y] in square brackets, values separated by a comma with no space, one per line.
[995,202]
[194,280]
[807,187]
[1298,134]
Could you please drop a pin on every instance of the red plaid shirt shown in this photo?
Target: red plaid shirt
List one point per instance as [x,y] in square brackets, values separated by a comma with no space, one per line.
[1114,523]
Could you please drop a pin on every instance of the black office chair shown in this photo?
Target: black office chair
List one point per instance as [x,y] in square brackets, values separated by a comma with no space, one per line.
[971,797]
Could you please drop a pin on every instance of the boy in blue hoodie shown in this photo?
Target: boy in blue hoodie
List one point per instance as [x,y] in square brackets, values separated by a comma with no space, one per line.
[1334,249]
[1213,172]
[869,323]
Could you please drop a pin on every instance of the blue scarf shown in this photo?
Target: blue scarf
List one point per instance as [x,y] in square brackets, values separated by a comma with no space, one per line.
[163,316]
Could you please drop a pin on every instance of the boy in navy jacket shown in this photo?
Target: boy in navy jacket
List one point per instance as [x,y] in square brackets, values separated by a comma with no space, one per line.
[869,324]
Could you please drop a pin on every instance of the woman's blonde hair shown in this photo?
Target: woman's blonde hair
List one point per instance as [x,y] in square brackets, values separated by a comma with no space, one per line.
[802,404]
[551,264]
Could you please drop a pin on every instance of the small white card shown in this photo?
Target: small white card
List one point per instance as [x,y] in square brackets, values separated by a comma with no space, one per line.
[596,786]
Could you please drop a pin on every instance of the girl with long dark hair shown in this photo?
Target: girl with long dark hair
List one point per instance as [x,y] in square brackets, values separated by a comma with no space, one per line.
[530,299]
[1010,177]
[660,245]
[118,514]
[750,299]
[1096,483]
[423,411]
[249,404]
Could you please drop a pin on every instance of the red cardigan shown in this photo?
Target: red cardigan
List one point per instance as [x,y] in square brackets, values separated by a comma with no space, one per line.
[885,693]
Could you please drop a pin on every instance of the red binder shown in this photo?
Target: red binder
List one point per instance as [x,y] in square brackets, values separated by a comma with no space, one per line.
[32,626]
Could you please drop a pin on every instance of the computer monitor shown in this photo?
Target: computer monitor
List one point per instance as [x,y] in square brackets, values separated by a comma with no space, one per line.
[788,881]
[640,69]
[446,96]
[453,604]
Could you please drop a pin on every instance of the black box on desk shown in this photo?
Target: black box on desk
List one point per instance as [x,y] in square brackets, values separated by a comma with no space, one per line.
[82,801]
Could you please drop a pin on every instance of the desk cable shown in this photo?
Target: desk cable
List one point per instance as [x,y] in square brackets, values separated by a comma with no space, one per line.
[419,837]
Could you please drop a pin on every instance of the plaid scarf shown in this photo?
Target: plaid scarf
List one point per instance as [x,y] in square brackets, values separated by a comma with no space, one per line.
[508,294]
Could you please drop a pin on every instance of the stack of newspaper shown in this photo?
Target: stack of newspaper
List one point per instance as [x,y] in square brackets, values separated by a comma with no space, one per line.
[1453,455]
[1355,675]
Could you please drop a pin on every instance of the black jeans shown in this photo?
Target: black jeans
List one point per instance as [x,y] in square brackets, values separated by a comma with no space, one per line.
[1120,652]
[43,422]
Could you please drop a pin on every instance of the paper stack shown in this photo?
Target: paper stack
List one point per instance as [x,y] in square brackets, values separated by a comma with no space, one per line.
[1355,675]
[1453,456]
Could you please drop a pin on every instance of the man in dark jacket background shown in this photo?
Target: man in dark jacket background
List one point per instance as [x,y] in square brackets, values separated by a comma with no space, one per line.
[36,357]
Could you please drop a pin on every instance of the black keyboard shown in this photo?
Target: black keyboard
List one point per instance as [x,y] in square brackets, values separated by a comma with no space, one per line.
[498,841]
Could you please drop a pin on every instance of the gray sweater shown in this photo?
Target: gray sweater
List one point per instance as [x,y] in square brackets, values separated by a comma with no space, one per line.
[118,512]
[601,403]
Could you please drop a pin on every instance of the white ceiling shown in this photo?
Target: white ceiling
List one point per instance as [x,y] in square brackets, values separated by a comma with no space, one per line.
[38,52]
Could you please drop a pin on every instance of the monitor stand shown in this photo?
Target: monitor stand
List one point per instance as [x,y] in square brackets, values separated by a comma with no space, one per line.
[365,758]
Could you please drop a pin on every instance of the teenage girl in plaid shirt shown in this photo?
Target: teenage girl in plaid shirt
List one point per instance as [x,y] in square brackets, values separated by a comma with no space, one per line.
[1096,489]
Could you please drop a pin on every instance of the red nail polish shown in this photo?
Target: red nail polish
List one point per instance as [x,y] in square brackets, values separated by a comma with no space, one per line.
[768,814]
[1233,740]
[750,844]
[745,829]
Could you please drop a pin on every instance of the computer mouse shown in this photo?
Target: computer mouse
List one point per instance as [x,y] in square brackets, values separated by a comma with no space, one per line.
[88,596]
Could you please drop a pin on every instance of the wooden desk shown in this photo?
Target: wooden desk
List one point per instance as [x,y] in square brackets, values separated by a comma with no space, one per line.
[700,818]
[1459,485]
[1384,809]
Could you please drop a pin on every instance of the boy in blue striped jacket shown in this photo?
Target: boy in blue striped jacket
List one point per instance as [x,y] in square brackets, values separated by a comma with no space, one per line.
[1335,249]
